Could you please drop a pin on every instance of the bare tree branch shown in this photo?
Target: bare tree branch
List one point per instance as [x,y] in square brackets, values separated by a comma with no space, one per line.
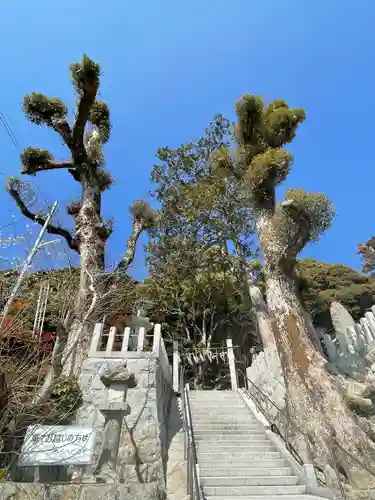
[51,229]
[83,112]
[131,246]
[54,165]
[62,127]
[300,236]
[50,165]
[56,366]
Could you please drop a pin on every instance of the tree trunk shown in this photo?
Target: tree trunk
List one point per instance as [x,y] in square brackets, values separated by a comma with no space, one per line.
[90,235]
[261,313]
[314,400]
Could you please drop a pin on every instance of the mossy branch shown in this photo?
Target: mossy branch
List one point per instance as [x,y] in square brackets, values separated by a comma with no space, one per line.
[35,160]
[307,217]
[100,118]
[144,219]
[85,76]
[12,189]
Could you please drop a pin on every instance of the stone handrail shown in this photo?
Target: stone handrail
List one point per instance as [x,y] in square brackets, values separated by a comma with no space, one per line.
[132,343]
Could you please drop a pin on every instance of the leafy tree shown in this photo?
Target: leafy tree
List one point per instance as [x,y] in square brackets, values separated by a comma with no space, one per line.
[84,140]
[315,399]
[194,277]
[321,284]
[367,252]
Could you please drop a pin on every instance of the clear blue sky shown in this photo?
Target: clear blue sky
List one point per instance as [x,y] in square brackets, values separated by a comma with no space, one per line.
[169,66]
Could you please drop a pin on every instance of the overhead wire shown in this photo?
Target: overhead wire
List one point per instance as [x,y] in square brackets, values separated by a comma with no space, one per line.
[16,144]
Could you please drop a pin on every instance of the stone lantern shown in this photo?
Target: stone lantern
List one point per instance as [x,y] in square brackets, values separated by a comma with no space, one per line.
[117,379]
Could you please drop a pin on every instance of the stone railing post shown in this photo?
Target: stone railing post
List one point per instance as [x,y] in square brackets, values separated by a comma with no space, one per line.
[176,367]
[232,365]
[117,379]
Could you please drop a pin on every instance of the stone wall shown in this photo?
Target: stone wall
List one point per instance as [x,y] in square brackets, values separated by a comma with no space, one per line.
[144,443]
[266,373]
[144,440]
[27,491]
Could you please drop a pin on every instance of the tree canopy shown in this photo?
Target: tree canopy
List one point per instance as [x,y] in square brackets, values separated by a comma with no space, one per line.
[322,283]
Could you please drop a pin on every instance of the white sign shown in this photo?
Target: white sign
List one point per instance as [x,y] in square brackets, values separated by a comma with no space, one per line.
[57,445]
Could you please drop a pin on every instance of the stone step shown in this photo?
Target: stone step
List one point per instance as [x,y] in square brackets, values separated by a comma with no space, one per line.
[267,497]
[213,394]
[251,491]
[248,463]
[227,447]
[217,404]
[227,427]
[237,434]
[249,481]
[217,455]
[244,471]
[207,395]
[219,415]
[213,422]
[240,445]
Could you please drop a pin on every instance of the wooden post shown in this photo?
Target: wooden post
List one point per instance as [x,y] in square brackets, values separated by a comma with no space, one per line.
[176,367]
[232,365]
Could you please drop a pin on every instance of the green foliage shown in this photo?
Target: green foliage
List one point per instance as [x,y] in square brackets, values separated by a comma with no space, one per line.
[85,75]
[100,118]
[322,283]
[142,211]
[262,163]
[194,283]
[280,123]
[13,183]
[105,178]
[43,110]
[66,397]
[267,170]
[33,159]
[316,207]
[367,252]
[260,132]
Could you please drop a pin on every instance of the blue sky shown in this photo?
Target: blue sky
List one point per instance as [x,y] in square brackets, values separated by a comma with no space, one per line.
[168,67]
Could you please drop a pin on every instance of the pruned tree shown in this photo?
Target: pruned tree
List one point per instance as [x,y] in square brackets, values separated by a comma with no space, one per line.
[315,397]
[84,139]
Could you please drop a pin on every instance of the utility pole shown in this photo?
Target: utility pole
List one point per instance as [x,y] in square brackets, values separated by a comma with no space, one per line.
[27,263]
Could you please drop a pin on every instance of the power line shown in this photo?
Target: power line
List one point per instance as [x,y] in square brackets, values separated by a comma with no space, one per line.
[18,148]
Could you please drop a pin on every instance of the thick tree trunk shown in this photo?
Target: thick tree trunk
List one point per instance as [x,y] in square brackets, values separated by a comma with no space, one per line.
[90,235]
[263,319]
[314,400]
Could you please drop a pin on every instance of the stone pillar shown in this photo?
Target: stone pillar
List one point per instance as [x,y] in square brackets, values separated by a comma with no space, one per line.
[117,379]
[232,365]
[114,414]
[330,346]
[366,330]
[176,367]
[371,322]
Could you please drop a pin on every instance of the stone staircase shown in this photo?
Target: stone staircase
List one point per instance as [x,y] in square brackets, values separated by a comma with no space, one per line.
[235,456]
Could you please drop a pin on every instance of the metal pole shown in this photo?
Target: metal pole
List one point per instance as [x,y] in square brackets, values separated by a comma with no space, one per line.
[27,263]
[44,310]
[36,319]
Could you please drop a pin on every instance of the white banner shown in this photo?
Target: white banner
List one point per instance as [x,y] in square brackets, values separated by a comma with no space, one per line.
[57,445]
